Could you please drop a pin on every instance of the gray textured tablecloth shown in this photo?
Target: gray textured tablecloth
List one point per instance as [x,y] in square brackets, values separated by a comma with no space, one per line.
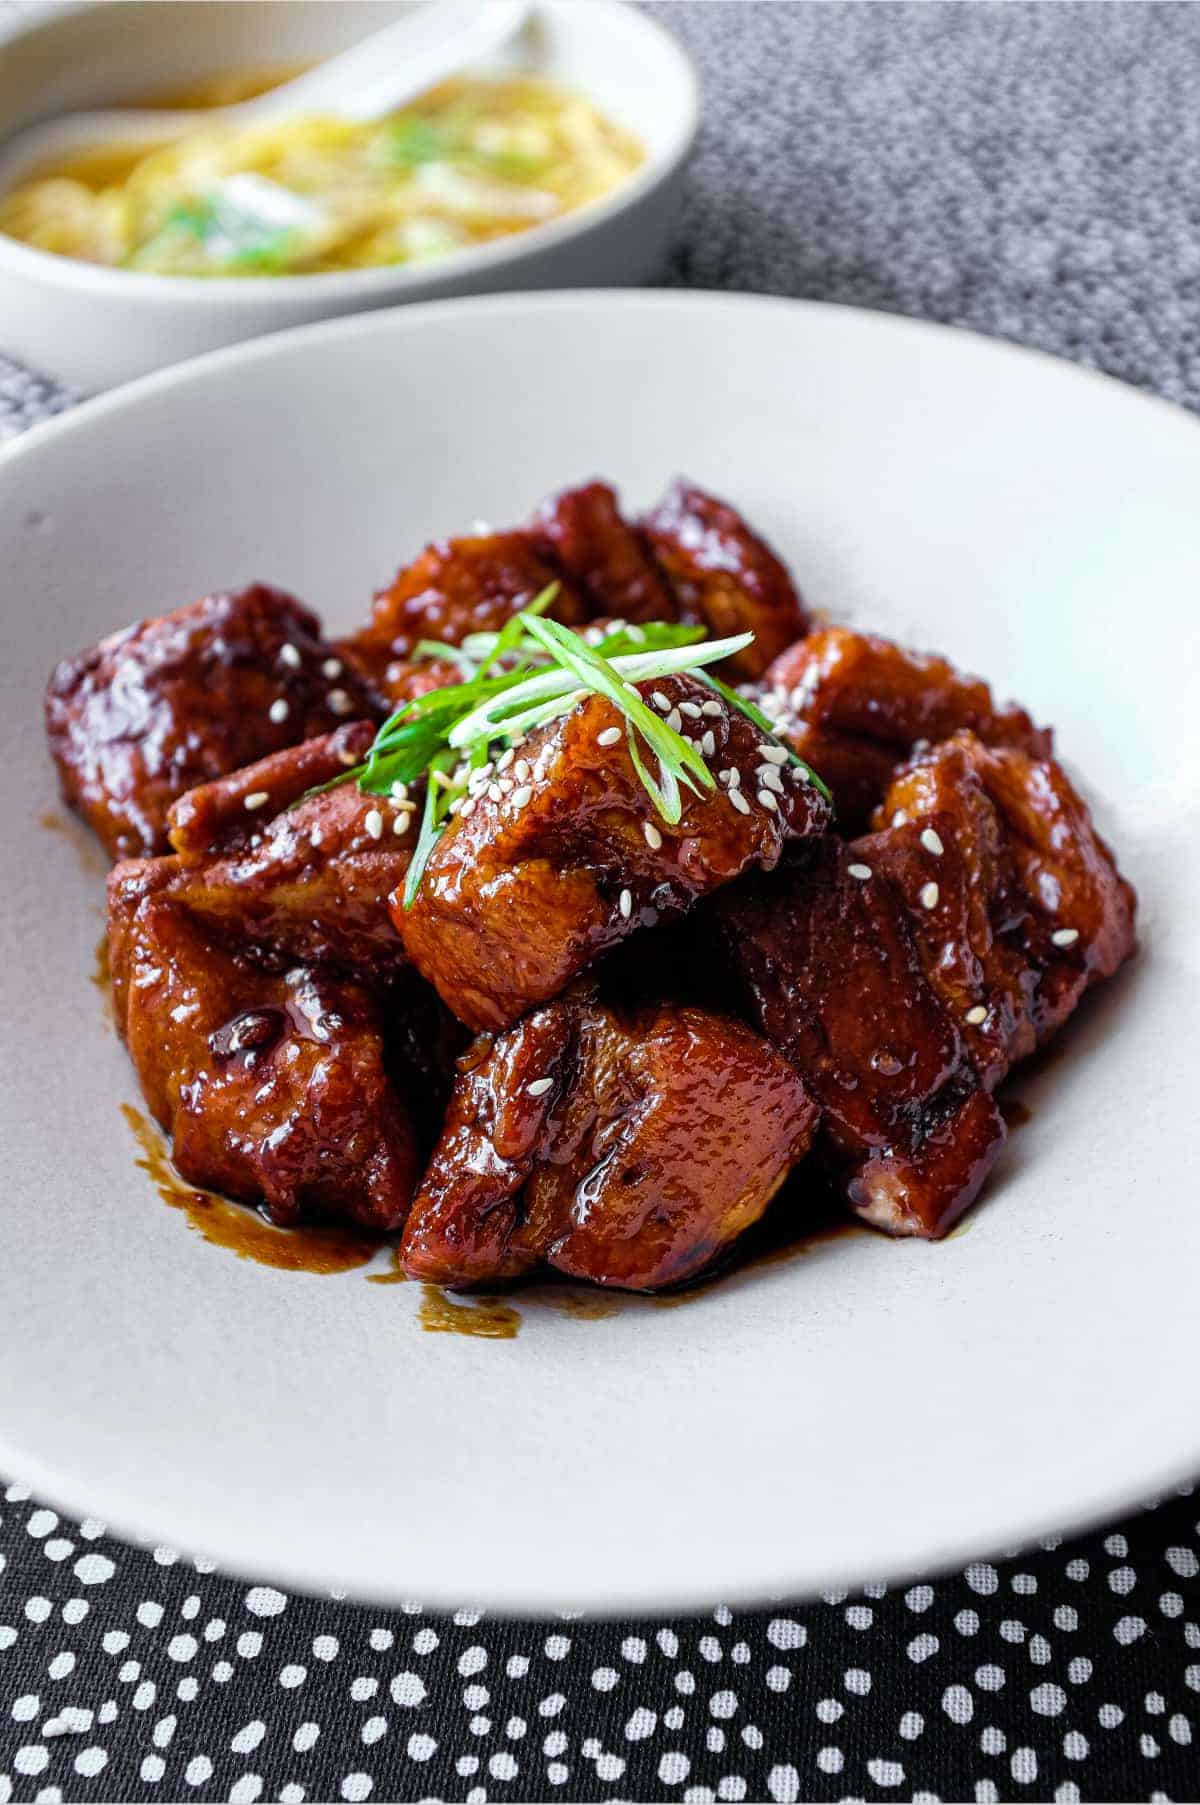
[1029,171]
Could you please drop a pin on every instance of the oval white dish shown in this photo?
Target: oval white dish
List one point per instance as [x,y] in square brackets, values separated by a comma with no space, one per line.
[865,1410]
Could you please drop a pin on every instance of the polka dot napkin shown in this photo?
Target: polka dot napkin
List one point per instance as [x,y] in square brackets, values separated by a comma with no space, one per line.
[1028,171]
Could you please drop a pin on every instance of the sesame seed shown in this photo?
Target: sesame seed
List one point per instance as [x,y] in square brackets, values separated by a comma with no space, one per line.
[505,760]
[977,1015]
[653,837]
[932,842]
[774,755]
[636,633]
[735,778]
[661,702]
[724,777]
[768,776]
[713,710]
[466,809]
[505,785]
[289,655]
[373,822]
[521,797]
[609,737]
[691,709]
[485,770]
[278,711]
[400,824]
[675,720]
[399,791]
[861,872]
[316,836]
[708,744]
[899,818]
[339,701]
[346,756]
[256,799]
[797,699]
[739,802]
[521,770]
[539,1087]
[494,792]
[455,806]
[625,903]
[767,800]
[928,898]
[1064,936]
[332,667]
[442,779]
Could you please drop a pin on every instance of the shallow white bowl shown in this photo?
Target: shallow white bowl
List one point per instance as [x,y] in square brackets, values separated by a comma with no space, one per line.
[868,1409]
[95,327]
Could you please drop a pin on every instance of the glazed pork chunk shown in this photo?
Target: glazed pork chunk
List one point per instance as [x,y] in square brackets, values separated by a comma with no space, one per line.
[854,706]
[833,978]
[456,587]
[625,1149]
[582,533]
[904,973]
[1042,911]
[724,576]
[563,855]
[293,876]
[173,702]
[273,1087]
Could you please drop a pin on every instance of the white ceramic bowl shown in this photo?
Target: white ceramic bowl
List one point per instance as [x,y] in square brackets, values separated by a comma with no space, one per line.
[95,327]
[867,1410]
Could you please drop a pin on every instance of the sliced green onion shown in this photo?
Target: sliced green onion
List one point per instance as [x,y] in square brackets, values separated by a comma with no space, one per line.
[437,801]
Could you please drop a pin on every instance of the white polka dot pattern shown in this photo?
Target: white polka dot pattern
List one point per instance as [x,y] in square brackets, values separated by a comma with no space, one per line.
[150,1676]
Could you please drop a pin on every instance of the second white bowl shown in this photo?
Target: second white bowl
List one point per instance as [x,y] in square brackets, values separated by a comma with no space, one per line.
[94,327]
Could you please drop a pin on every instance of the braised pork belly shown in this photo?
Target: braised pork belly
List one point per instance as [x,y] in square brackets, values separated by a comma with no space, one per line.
[506,925]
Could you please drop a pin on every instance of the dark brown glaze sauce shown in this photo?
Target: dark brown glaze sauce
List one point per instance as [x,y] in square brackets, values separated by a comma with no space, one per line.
[101,977]
[487,1317]
[232,1225]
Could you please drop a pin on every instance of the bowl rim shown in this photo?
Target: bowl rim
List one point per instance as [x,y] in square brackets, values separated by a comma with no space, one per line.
[146,289]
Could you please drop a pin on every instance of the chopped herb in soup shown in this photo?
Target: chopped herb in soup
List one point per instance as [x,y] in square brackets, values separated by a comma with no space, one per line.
[474,159]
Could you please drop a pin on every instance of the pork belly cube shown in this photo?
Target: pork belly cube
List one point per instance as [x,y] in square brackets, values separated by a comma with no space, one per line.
[950,862]
[833,978]
[628,1150]
[456,587]
[174,702]
[299,877]
[607,560]
[272,1087]
[854,706]
[563,854]
[231,810]
[1060,908]
[724,576]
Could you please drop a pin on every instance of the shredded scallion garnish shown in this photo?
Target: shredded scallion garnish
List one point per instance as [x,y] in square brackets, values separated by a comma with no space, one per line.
[532,671]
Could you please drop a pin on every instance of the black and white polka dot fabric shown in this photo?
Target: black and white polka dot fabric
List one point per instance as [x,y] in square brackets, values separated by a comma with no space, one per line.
[1072,1672]
[1028,171]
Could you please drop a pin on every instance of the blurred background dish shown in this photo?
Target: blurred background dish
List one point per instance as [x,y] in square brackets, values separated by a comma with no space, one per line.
[612,94]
